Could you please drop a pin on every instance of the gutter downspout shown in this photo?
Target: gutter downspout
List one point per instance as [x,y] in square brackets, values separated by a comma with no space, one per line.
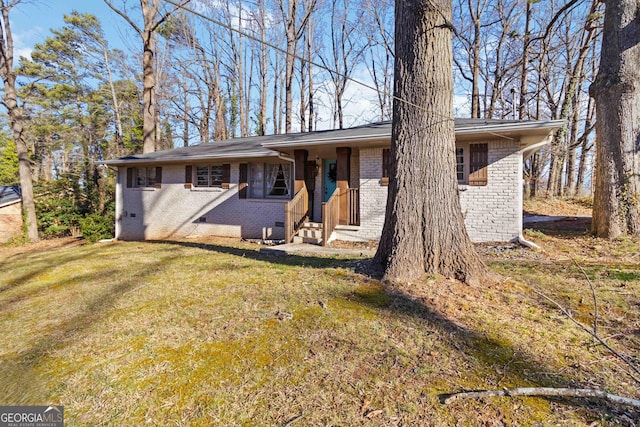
[118,202]
[524,242]
[283,157]
[526,152]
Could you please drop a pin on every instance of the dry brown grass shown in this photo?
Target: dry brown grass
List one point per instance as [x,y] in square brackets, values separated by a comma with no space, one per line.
[199,333]
[558,206]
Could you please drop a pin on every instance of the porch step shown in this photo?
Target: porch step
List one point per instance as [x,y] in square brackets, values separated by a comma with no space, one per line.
[314,225]
[310,240]
[310,232]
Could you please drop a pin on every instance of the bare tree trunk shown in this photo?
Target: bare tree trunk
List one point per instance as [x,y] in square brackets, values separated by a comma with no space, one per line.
[294,29]
[585,148]
[475,86]
[262,125]
[220,132]
[149,82]
[119,143]
[310,29]
[570,172]
[185,115]
[277,96]
[303,100]
[150,12]
[424,229]
[616,91]
[16,120]
[524,79]
[290,30]
[561,145]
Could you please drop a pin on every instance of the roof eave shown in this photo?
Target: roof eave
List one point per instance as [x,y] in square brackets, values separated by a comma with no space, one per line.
[13,202]
[542,127]
[182,160]
[364,139]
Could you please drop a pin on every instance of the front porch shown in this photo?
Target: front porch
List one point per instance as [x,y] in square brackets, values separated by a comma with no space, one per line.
[326,194]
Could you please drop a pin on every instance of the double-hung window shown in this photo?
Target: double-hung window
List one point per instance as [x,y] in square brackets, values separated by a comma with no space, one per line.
[209,175]
[144,177]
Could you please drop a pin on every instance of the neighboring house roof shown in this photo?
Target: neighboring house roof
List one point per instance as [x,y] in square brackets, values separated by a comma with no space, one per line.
[370,134]
[9,195]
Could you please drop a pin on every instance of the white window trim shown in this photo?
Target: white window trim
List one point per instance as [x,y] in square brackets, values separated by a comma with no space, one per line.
[194,177]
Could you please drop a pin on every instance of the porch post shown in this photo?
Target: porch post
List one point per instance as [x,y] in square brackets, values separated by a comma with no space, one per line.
[300,158]
[342,181]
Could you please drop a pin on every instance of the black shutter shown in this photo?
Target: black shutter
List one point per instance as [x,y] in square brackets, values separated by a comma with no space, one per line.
[243,181]
[226,175]
[386,162]
[158,177]
[129,177]
[478,164]
[188,176]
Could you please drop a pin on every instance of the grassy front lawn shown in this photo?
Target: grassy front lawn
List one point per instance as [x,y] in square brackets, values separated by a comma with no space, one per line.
[213,333]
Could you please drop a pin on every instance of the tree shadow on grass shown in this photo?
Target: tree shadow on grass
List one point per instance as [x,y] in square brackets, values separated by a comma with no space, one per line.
[23,384]
[310,261]
[478,348]
[521,367]
[566,227]
[40,267]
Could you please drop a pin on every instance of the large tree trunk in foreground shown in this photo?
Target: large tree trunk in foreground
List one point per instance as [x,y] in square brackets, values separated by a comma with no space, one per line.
[424,229]
[616,91]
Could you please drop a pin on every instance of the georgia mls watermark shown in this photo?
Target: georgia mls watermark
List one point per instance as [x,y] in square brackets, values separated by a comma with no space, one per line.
[31,416]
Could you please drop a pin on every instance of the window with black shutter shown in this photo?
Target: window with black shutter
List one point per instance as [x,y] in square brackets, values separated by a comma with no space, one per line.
[243,180]
[188,176]
[478,164]
[386,165]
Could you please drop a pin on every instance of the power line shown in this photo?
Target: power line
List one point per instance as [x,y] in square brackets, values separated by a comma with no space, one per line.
[294,55]
[321,66]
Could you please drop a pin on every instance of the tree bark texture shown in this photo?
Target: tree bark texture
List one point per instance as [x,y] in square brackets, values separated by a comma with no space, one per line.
[424,229]
[16,120]
[616,91]
[149,79]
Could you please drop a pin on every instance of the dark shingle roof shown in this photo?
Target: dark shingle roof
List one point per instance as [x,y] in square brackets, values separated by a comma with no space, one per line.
[265,146]
[9,195]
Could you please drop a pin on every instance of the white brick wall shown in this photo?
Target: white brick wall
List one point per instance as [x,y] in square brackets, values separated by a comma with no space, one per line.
[492,212]
[373,196]
[175,211]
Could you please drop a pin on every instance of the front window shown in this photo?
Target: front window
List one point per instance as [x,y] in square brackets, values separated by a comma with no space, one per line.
[209,176]
[270,180]
[145,177]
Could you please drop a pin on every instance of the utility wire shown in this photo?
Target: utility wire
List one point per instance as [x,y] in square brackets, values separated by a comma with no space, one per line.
[321,66]
[294,55]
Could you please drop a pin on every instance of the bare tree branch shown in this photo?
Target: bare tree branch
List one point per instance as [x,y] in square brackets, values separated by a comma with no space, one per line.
[541,391]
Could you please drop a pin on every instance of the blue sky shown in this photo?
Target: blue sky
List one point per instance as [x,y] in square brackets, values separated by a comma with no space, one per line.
[32,20]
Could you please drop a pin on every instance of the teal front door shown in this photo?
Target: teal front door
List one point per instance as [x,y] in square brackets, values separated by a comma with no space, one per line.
[330,175]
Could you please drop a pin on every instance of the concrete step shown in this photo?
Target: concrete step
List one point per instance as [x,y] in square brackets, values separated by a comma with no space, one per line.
[310,232]
[312,225]
[310,240]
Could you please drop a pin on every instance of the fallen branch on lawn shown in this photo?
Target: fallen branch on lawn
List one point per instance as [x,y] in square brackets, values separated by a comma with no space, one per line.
[541,391]
[625,359]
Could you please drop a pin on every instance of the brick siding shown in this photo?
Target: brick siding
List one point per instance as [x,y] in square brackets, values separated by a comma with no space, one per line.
[492,212]
[175,211]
